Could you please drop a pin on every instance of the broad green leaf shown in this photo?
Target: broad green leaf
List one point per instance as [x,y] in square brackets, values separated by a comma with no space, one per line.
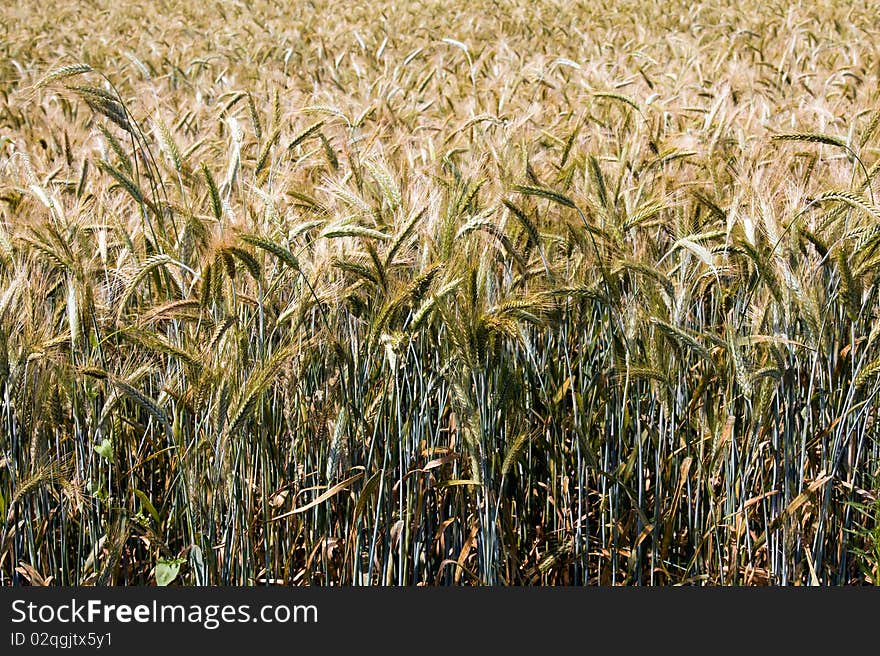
[167,570]
[105,449]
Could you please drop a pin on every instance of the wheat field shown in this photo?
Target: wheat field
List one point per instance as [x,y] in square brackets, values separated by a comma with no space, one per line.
[439,293]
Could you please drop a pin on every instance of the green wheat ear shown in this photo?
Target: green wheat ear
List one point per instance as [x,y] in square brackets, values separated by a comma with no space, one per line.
[868,373]
[216,203]
[282,253]
[514,452]
[548,194]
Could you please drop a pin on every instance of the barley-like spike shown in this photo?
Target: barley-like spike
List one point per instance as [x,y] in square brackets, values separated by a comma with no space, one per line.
[263,157]
[275,249]
[719,213]
[224,259]
[352,230]
[403,235]
[149,265]
[389,187]
[250,263]
[219,331]
[56,256]
[378,267]
[83,177]
[569,143]
[171,309]
[305,134]
[853,200]
[357,268]
[870,128]
[740,372]
[618,97]
[352,200]
[166,141]
[850,291]
[118,149]
[56,471]
[329,152]
[63,73]
[650,272]
[528,225]
[643,373]
[815,240]
[207,287]
[142,400]
[811,137]
[867,373]
[548,194]
[216,204]
[110,109]
[124,181]
[514,452]
[643,214]
[160,344]
[599,183]
[255,118]
[308,202]
[327,110]
[763,267]
[420,315]
[682,337]
[259,380]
